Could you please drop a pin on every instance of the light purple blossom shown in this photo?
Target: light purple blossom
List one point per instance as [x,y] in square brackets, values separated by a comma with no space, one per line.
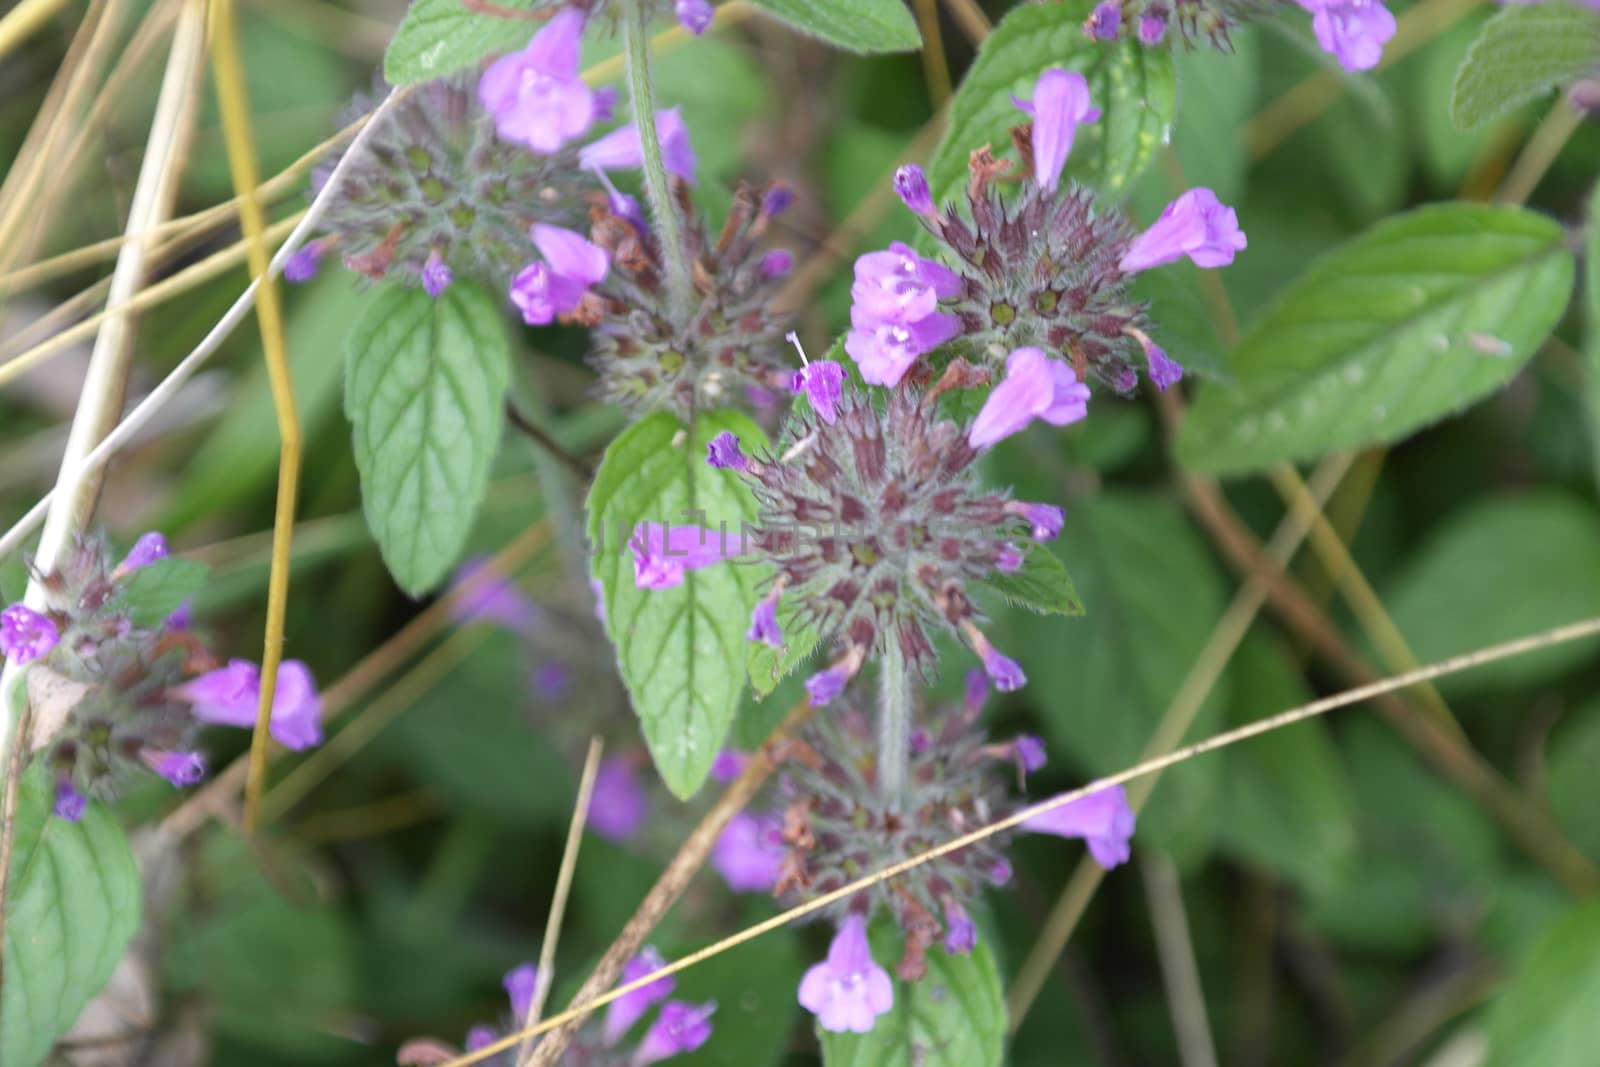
[899,286]
[520,984]
[848,990]
[620,149]
[749,852]
[1103,819]
[777,200]
[1105,21]
[960,932]
[680,1028]
[777,263]
[301,267]
[1152,27]
[436,275]
[70,803]
[545,291]
[1353,31]
[148,549]
[823,384]
[629,1008]
[728,765]
[1030,752]
[491,599]
[1008,559]
[663,554]
[723,452]
[1003,671]
[1035,387]
[911,185]
[694,15]
[536,96]
[229,695]
[824,687]
[885,350]
[1060,104]
[1046,519]
[1196,225]
[617,807]
[26,635]
[180,768]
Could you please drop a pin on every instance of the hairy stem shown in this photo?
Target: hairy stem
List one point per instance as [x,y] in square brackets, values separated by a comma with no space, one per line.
[657,187]
[894,724]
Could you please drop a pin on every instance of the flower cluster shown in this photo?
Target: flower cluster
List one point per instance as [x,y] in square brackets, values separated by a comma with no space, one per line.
[837,825]
[678,1027]
[115,697]
[1353,31]
[1047,272]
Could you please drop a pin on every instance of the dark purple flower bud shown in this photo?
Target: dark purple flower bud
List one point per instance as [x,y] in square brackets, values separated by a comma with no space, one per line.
[617,807]
[436,275]
[26,635]
[1164,371]
[1105,21]
[694,15]
[301,267]
[630,1007]
[180,768]
[1196,225]
[1030,752]
[537,96]
[145,551]
[960,933]
[777,263]
[848,990]
[749,852]
[911,185]
[1152,27]
[520,984]
[764,620]
[1103,819]
[1002,670]
[723,452]
[825,686]
[777,200]
[728,765]
[1046,519]
[678,1029]
[70,803]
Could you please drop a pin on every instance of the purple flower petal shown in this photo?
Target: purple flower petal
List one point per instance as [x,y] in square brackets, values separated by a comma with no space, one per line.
[617,807]
[70,803]
[663,554]
[180,768]
[1035,387]
[1353,31]
[694,15]
[848,990]
[145,551]
[1196,225]
[536,96]
[629,1008]
[520,984]
[823,384]
[678,1029]
[911,185]
[491,599]
[1060,104]
[749,852]
[1103,819]
[26,635]
[960,932]
[436,275]
[723,452]
[570,253]
[620,149]
[1105,22]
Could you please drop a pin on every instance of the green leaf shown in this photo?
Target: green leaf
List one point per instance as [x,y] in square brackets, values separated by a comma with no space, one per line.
[156,590]
[954,1017]
[1041,584]
[72,905]
[424,392]
[1504,568]
[767,665]
[1220,90]
[1418,317]
[1570,760]
[681,651]
[439,37]
[1523,52]
[1546,1014]
[754,988]
[1591,327]
[1133,87]
[1151,594]
[865,26]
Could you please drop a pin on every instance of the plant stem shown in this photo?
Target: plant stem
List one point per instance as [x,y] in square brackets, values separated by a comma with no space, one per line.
[894,724]
[658,189]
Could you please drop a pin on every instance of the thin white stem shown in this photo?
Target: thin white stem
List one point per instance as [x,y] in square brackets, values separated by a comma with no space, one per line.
[894,724]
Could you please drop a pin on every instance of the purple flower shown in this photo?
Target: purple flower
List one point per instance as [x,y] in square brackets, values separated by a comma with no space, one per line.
[1008,560]
[492,598]
[1196,225]
[145,551]
[723,452]
[520,984]
[1165,372]
[1059,106]
[630,1007]
[911,185]
[694,15]
[1003,671]
[663,554]
[1354,31]
[26,635]
[1000,872]
[180,768]
[302,265]
[1103,819]
[1030,752]
[847,991]
[556,287]
[481,1037]
[823,385]
[1152,27]
[537,96]
[777,263]
[1046,519]
[728,765]
[229,695]
[620,149]
[960,933]
[1035,387]
[679,1028]
[776,202]
[976,692]
[899,286]
[436,275]
[885,351]
[749,853]
[764,621]
[617,807]
[1105,21]
[69,803]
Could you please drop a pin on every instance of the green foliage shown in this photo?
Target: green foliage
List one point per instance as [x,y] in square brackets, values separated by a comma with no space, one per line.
[1041,584]
[864,26]
[72,905]
[1524,52]
[439,37]
[1591,340]
[1570,762]
[954,1017]
[1419,316]
[767,665]
[1504,568]
[156,590]
[424,390]
[754,989]
[1547,1013]
[1133,86]
[1102,682]
[681,651]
